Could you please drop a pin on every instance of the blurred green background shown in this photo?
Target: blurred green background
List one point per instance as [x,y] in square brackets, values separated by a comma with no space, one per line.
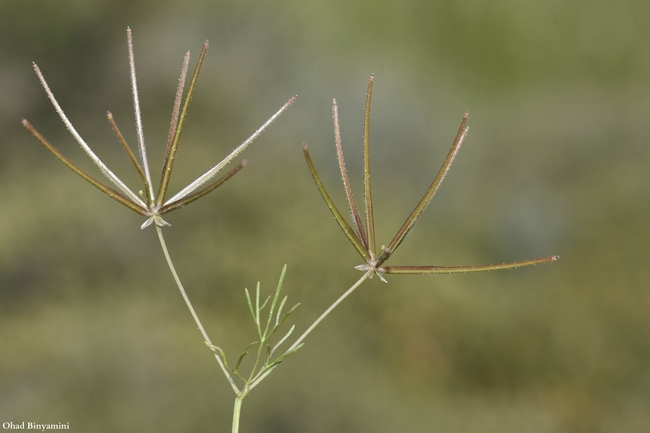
[93,331]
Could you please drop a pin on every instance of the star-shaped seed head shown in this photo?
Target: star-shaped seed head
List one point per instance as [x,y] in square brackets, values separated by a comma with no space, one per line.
[149,204]
[363,238]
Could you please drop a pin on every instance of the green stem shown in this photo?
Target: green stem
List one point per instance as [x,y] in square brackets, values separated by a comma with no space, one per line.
[192,311]
[329,310]
[236,412]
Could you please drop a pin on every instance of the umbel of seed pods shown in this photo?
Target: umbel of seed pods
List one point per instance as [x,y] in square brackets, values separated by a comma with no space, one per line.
[363,238]
[150,204]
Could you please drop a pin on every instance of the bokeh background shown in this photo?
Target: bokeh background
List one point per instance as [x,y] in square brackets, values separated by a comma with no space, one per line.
[93,331]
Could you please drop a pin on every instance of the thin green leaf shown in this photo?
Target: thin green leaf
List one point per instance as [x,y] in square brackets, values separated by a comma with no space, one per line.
[277,317]
[285,317]
[241,357]
[250,305]
[285,355]
[422,205]
[282,340]
[349,232]
[257,309]
[266,301]
[275,300]
[281,279]
[423,270]
[220,352]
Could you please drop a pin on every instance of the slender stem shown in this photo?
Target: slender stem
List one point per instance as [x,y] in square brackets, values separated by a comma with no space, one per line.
[236,414]
[191,308]
[329,310]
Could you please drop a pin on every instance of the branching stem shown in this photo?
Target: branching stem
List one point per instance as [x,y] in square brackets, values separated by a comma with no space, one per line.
[304,335]
[192,311]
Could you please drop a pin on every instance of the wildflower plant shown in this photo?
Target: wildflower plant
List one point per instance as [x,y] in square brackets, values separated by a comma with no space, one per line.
[153,205]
